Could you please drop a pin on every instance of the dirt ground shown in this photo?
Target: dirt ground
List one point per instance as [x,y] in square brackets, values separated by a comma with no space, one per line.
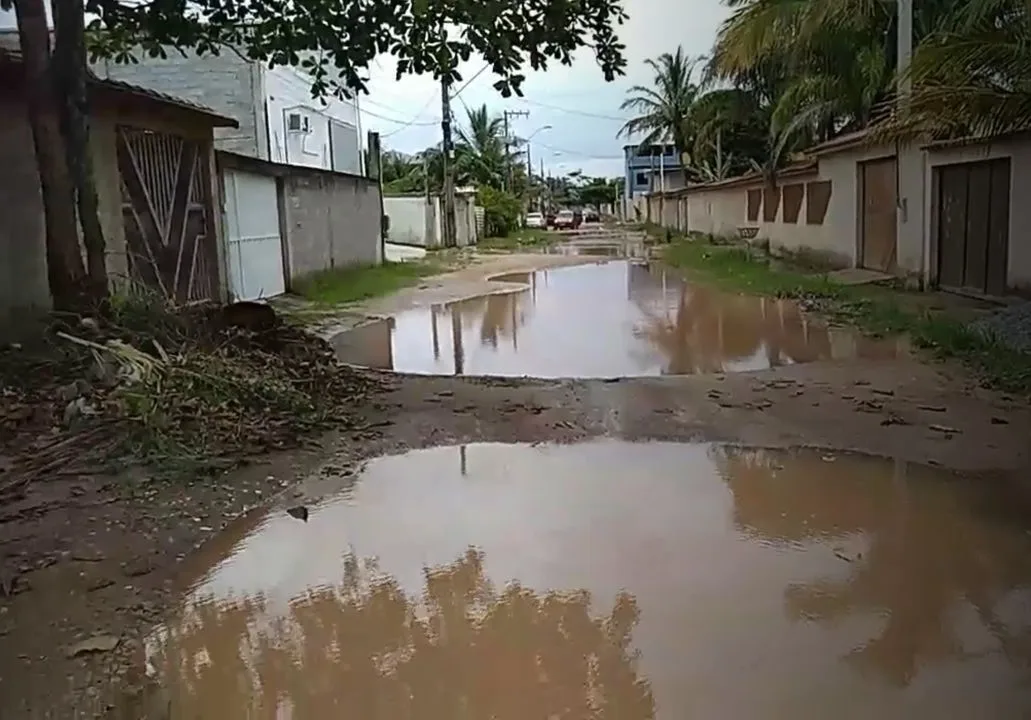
[99,557]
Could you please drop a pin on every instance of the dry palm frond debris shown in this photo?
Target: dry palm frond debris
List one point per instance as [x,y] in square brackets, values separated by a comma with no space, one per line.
[180,388]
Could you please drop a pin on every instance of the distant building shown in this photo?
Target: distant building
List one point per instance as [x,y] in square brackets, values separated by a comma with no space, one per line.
[279,120]
[649,168]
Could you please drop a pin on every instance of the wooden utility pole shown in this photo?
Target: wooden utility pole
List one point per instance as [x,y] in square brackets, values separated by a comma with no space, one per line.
[448,222]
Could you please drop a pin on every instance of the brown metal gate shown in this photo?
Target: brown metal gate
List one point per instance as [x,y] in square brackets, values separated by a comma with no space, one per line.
[878,231]
[971,212]
[167,212]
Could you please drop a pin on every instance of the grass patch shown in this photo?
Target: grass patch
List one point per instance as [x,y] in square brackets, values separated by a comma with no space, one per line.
[352,284]
[877,310]
[522,238]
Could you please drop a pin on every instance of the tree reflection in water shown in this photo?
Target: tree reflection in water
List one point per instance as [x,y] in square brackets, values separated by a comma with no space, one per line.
[366,649]
[929,553]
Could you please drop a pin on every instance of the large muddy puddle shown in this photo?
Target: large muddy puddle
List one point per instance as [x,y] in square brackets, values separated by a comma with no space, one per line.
[615,580]
[611,319]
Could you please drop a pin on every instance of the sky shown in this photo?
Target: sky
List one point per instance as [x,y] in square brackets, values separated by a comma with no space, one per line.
[581,108]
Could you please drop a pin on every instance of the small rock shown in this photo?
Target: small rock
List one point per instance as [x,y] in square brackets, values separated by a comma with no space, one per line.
[1000,421]
[99,584]
[933,408]
[300,512]
[878,391]
[944,429]
[95,644]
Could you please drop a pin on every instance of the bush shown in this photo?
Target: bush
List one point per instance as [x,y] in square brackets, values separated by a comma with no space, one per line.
[501,211]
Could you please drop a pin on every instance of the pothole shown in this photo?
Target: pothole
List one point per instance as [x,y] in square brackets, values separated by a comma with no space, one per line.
[661,580]
[613,319]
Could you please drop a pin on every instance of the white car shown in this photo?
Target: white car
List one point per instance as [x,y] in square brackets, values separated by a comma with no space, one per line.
[534,220]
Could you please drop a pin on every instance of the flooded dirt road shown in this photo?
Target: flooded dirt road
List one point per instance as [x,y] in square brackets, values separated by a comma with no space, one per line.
[614,579]
[737,589]
[612,319]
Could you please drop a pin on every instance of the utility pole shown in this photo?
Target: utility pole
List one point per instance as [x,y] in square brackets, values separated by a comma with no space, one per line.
[508,166]
[448,223]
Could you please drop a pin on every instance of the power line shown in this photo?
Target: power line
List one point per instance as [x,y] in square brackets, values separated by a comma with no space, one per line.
[574,112]
[578,153]
[402,123]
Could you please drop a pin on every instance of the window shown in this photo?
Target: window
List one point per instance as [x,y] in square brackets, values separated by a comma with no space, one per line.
[641,179]
[669,150]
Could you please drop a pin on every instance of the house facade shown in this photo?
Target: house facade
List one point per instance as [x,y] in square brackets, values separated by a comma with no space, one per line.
[278,119]
[647,169]
[157,189]
[945,214]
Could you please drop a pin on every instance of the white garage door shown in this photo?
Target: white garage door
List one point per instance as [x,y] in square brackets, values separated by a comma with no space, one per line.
[252,231]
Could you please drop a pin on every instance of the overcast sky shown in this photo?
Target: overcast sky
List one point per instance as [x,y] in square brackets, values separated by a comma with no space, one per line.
[584,110]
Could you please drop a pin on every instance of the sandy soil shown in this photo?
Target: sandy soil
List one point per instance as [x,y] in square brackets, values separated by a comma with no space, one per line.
[98,560]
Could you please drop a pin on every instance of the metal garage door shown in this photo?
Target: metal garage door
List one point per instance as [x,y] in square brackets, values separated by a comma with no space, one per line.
[878,231]
[972,216]
[254,249]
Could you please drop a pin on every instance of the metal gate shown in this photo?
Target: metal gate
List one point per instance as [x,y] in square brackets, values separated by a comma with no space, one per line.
[878,231]
[254,248]
[972,212]
[166,210]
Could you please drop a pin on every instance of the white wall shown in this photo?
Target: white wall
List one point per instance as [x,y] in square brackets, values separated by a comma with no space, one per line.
[288,90]
[1018,261]
[407,220]
[717,212]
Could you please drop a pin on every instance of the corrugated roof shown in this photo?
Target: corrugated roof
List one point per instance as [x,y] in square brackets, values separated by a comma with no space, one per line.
[14,56]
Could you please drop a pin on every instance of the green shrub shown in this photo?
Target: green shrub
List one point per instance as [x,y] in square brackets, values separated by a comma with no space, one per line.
[501,211]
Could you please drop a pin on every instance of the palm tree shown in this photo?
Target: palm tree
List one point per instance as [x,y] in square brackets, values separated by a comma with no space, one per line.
[664,110]
[972,74]
[480,152]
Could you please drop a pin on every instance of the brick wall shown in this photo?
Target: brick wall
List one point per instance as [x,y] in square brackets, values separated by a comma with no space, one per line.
[227,84]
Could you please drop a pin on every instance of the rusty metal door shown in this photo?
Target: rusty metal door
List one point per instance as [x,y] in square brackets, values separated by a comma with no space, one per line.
[877,228]
[167,212]
[972,217]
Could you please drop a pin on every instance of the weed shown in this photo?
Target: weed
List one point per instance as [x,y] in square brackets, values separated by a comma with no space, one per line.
[339,286]
[876,310]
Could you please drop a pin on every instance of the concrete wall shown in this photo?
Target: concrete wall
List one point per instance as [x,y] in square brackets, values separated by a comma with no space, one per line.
[415,222]
[287,90]
[1018,149]
[330,220]
[228,84]
[408,219]
[716,212]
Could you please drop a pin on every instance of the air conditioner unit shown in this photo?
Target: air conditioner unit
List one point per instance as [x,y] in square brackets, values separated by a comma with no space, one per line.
[298,123]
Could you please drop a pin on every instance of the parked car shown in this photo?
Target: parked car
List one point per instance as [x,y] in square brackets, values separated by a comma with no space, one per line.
[565,220]
[535,220]
[591,216]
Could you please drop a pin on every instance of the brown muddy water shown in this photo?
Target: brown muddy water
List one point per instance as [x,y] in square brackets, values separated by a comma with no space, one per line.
[610,319]
[615,580]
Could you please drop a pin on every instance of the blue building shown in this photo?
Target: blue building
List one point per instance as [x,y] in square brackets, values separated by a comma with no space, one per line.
[645,167]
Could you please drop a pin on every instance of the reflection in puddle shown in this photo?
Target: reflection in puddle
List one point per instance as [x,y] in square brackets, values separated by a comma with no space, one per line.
[616,580]
[612,319]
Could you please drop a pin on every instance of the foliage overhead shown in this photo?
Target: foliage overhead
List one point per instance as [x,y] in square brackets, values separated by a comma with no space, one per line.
[335,40]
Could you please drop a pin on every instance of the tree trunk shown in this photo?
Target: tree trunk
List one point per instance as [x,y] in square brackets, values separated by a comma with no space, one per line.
[65,270]
[70,66]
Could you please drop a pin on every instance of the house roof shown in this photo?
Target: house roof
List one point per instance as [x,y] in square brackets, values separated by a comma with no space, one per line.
[13,56]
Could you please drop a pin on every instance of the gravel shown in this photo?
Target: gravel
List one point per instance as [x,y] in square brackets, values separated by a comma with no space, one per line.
[1011,327]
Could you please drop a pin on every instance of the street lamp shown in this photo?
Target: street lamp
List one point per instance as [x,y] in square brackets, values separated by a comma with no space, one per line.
[529,162]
